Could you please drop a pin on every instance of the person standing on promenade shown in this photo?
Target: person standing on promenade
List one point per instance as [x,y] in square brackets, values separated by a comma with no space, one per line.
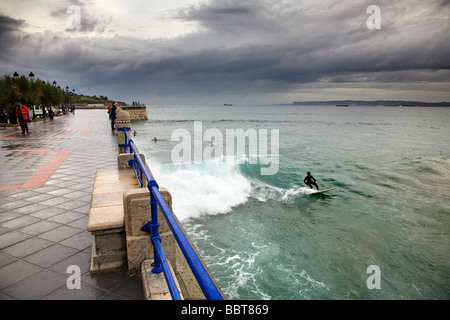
[112,114]
[22,114]
[26,115]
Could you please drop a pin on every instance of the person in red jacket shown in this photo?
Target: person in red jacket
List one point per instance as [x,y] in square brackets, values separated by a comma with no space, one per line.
[22,114]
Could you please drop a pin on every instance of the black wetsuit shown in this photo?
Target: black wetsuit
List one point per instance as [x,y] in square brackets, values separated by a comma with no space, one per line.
[112,116]
[310,181]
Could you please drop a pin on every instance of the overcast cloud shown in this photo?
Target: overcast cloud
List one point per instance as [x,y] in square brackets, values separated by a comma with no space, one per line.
[233,51]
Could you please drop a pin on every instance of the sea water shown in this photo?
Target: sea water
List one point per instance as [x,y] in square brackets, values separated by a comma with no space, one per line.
[268,237]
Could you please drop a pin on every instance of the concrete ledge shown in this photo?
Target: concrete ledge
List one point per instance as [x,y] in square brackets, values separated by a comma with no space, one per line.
[106,218]
[155,286]
[106,210]
[140,248]
[136,203]
[188,284]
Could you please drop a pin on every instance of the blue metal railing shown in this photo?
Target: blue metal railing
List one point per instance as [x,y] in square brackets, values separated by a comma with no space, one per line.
[204,279]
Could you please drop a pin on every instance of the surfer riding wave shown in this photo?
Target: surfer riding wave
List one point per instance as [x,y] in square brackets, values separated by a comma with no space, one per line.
[310,181]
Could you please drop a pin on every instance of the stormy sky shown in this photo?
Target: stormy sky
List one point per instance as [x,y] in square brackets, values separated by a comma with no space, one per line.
[232,51]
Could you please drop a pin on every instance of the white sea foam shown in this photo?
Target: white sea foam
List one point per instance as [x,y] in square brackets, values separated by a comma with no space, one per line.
[211,187]
[263,192]
[215,186]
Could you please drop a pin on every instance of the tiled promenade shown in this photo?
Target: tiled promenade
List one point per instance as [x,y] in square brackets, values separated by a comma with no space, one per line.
[46,180]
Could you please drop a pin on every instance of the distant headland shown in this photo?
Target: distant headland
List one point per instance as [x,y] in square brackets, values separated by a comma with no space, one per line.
[384,103]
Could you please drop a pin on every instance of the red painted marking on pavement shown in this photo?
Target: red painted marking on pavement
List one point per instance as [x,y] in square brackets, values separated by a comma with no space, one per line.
[10,134]
[41,177]
[11,187]
[86,131]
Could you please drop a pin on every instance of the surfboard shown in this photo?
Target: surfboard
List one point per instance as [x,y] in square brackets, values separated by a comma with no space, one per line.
[320,191]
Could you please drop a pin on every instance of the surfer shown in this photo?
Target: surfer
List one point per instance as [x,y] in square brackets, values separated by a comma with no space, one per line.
[310,181]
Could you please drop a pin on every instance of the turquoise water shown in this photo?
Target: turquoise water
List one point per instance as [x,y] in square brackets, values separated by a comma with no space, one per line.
[267,237]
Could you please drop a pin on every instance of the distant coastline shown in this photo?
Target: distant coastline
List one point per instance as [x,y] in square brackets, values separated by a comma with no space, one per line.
[384,103]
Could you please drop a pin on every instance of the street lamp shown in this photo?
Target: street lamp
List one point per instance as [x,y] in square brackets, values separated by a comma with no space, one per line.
[31,75]
[54,84]
[16,75]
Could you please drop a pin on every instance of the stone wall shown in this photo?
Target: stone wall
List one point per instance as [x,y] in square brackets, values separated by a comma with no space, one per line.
[137,113]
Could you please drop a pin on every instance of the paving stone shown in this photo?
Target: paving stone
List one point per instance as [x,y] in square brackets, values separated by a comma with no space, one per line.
[81,259]
[36,286]
[39,227]
[14,205]
[60,192]
[131,288]
[19,222]
[80,223]
[51,255]
[26,247]
[80,241]
[11,238]
[40,197]
[31,208]
[15,272]
[66,217]
[5,216]
[85,292]
[105,281]
[6,259]
[60,233]
[4,230]
[56,200]
[47,213]
[72,204]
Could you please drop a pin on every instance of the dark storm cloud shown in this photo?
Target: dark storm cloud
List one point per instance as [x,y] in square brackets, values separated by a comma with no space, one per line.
[295,43]
[257,46]
[8,24]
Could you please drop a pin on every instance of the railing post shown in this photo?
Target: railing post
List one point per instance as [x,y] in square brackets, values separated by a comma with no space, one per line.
[154,225]
[126,144]
[123,126]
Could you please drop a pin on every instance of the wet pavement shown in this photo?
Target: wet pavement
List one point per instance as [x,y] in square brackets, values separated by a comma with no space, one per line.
[46,180]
